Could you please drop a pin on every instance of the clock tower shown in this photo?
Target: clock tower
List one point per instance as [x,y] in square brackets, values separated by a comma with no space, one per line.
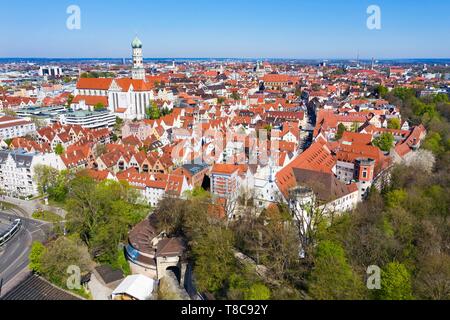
[138,71]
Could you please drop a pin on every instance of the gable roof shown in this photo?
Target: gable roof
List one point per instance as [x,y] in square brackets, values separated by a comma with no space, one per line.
[324,185]
[94,83]
[316,158]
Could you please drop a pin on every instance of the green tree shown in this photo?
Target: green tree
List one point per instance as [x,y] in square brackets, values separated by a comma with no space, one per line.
[61,254]
[332,278]
[198,193]
[340,131]
[244,286]
[8,142]
[434,143]
[118,125]
[441,97]
[51,182]
[59,149]
[102,214]
[257,291]
[165,111]
[433,278]
[404,93]
[70,100]
[235,96]
[45,177]
[396,198]
[395,282]
[381,91]
[394,123]
[36,254]
[153,112]
[122,263]
[384,142]
[214,259]
[421,108]
[99,107]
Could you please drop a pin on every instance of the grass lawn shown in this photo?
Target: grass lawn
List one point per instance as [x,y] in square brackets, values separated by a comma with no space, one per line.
[47,216]
[6,205]
[53,203]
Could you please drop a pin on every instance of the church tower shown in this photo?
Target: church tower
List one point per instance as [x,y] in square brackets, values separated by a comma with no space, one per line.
[138,71]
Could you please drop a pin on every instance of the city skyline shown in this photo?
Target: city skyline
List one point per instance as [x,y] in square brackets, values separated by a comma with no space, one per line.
[200,29]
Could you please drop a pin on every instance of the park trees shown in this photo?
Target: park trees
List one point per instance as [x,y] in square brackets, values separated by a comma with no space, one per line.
[270,240]
[384,142]
[332,277]
[52,182]
[101,214]
[62,253]
[394,123]
[35,257]
[242,287]
[381,91]
[396,282]
[310,213]
[214,259]
[433,279]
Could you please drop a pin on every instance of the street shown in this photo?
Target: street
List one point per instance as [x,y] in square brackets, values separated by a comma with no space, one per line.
[14,254]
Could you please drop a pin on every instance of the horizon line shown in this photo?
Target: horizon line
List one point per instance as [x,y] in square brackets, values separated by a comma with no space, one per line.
[239,58]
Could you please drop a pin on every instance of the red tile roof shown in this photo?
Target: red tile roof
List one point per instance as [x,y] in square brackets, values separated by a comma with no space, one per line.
[91,100]
[317,157]
[220,168]
[94,83]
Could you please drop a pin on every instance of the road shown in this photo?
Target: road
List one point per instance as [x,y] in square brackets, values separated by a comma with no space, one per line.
[14,254]
[31,206]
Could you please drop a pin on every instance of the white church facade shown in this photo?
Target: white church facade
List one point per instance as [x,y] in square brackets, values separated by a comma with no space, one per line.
[127,98]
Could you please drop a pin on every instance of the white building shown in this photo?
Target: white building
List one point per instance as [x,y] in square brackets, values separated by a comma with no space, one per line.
[127,98]
[17,171]
[90,120]
[52,71]
[135,287]
[11,127]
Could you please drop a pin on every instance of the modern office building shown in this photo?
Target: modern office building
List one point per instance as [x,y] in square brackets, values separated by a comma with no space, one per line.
[89,119]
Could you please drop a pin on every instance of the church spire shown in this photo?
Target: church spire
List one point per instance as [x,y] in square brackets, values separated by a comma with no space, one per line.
[138,71]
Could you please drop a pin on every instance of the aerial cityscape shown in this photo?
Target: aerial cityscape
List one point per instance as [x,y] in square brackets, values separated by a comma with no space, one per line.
[236,177]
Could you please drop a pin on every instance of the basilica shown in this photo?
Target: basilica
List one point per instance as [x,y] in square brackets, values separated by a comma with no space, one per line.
[128,98]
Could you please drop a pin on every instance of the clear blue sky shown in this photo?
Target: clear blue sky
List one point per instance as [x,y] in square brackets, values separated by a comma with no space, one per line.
[232,28]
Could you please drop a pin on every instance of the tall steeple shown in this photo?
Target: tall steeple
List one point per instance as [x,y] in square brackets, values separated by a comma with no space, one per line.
[138,71]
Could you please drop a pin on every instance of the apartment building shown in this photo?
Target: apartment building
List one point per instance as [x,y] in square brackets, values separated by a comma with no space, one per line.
[225,181]
[11,127]
[17,171]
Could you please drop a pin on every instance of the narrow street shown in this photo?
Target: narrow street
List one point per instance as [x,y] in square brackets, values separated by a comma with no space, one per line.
[14,254]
